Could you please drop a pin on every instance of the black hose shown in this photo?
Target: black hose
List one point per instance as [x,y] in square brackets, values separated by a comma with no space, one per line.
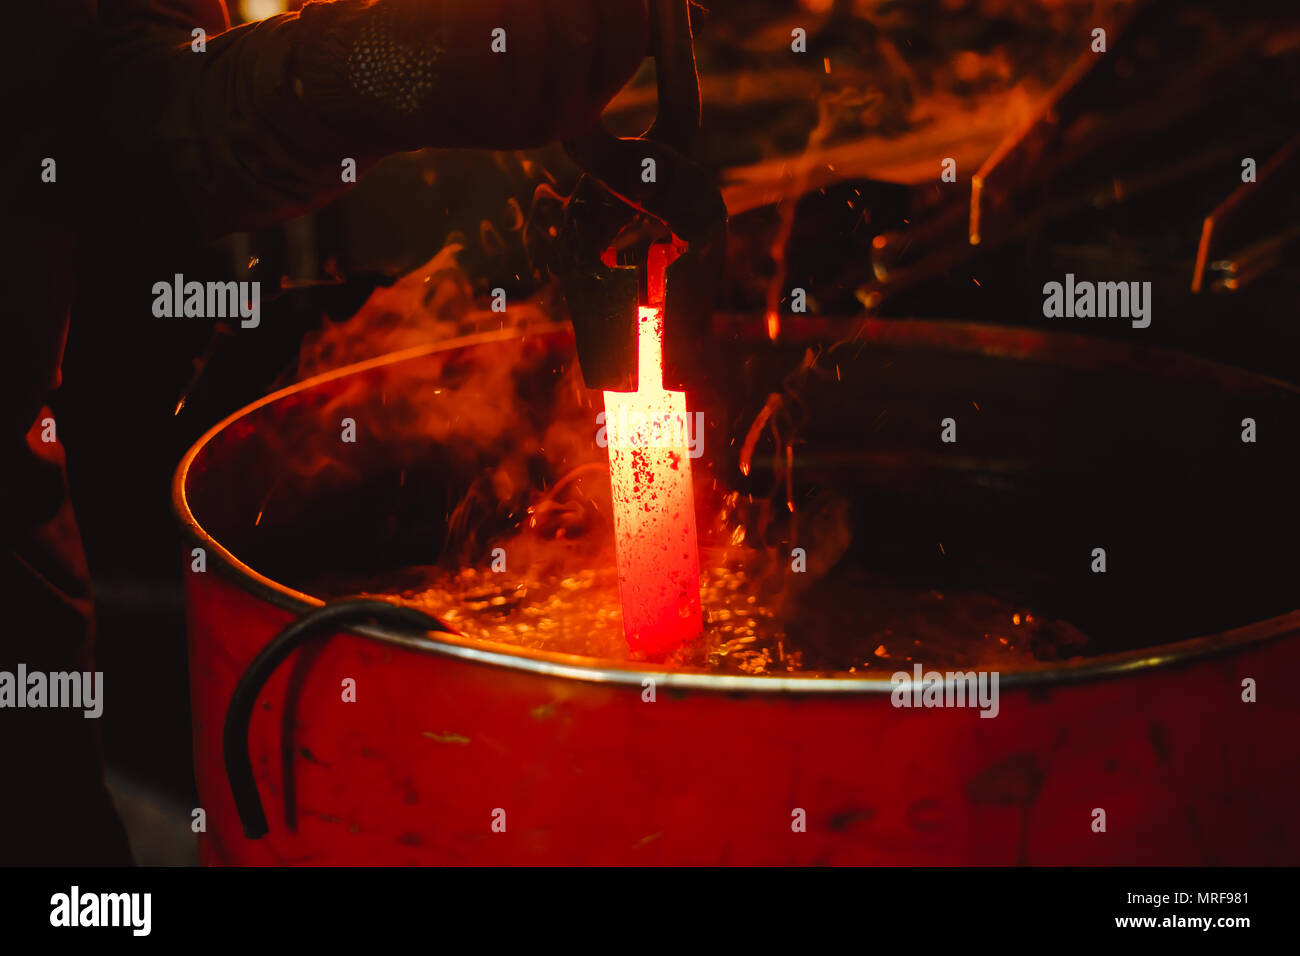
[333,617]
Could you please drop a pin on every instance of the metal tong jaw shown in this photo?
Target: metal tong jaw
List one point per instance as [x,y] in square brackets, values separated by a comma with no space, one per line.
[613,202]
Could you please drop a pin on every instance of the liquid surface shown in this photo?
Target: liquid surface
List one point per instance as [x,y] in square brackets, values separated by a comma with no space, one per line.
[850,622]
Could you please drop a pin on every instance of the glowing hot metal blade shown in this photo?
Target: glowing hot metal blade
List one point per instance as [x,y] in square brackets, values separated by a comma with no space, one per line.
[654,505]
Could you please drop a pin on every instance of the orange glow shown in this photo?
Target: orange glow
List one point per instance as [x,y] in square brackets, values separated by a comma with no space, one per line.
[251,10]
[654,505]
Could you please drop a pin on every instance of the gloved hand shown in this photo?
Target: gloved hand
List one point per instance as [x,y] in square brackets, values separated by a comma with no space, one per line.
[404,74]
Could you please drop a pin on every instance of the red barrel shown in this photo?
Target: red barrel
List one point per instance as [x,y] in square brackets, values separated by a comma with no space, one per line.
[455,751]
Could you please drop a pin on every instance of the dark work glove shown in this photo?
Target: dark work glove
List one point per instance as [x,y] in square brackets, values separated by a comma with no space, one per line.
[404,74]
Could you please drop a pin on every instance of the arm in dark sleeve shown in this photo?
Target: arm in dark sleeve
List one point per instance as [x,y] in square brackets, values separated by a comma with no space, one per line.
[256,128]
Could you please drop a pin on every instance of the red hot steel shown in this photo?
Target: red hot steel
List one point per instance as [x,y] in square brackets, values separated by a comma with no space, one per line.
[654,505]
